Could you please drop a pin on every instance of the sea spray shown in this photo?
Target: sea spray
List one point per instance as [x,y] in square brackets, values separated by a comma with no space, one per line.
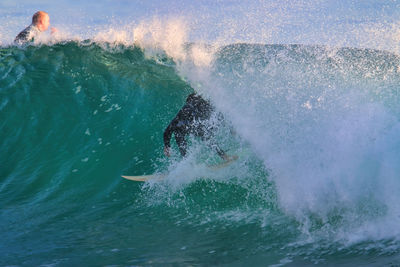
[317,126]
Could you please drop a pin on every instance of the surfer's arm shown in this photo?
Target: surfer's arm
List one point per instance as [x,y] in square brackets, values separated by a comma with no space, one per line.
[221,153]
[168,134]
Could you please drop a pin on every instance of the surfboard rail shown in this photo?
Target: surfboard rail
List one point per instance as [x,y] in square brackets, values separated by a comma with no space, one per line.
[159,176]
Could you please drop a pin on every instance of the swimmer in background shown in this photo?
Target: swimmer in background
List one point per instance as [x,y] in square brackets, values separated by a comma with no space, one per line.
[40,23]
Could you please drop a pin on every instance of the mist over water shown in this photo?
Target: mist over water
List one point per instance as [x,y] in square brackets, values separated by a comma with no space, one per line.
[310,95]
[325,131]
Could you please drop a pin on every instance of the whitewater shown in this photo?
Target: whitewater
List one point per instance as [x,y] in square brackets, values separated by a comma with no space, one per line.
[315,127]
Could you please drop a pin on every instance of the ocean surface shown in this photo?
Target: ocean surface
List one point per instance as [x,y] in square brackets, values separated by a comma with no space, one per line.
[315,126]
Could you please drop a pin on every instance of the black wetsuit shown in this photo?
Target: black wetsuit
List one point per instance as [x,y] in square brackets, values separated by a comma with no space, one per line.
[193,118]
[27,35]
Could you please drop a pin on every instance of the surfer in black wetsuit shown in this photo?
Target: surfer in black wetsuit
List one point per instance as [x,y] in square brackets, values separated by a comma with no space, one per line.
[193,118]
[40,23]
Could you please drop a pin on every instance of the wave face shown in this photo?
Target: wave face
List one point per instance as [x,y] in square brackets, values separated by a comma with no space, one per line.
[316,130]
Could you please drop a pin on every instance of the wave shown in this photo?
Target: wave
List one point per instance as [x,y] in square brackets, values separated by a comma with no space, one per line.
[315,127]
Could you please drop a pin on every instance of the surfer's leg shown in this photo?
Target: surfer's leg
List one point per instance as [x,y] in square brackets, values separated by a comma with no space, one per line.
[207,135]
[181,142]
[217,149]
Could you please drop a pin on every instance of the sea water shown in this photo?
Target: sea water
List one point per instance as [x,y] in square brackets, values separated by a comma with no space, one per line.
[315,126]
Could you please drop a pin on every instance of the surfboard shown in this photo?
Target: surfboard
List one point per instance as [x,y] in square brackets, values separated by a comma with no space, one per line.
[144,178]
[223,164]
[159,176]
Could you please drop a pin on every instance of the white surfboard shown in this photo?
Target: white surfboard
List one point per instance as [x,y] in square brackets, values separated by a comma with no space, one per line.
[144,178]
[159,176]
[223,164]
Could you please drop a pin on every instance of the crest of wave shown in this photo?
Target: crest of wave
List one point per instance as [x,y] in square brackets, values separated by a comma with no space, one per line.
[162,36]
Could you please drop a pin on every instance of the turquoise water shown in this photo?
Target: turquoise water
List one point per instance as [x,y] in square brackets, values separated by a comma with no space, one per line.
[316,130]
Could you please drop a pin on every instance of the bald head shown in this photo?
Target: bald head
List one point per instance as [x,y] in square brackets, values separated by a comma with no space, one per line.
[41,20]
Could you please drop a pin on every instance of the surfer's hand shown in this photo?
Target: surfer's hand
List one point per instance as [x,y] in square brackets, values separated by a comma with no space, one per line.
[53,30]
[166,151]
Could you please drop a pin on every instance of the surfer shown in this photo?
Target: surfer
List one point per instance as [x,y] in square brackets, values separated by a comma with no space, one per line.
[192,118]
[40,23]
